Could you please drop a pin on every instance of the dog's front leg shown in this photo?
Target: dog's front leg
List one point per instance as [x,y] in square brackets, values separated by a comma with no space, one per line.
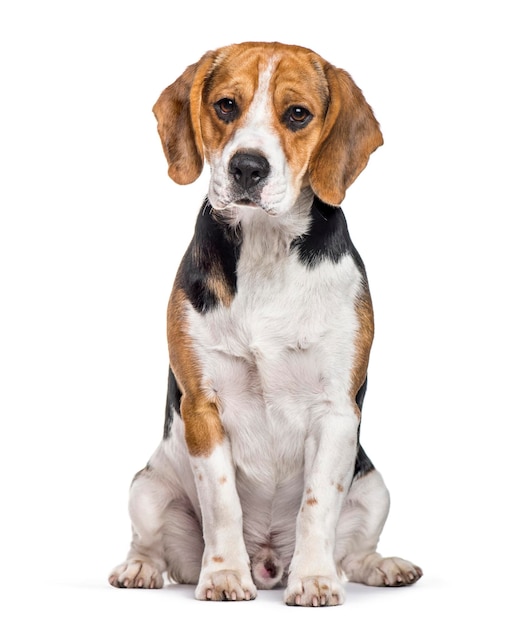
[330,455]
[225,571]
[225,568]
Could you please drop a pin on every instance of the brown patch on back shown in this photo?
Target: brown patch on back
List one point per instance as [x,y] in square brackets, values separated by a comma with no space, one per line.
[203,427]
[363,341]
[218,559]
[312,501]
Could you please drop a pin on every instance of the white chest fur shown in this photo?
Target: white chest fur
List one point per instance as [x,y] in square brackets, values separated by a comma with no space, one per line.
[279,357]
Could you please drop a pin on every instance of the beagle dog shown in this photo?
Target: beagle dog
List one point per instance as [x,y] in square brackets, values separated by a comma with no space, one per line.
[260,479]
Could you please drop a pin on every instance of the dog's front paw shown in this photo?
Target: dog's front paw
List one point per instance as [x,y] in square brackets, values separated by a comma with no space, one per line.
[225,585]
[314,591]
[136,574]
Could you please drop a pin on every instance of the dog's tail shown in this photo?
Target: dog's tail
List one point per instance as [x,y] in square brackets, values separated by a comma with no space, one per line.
[267,568]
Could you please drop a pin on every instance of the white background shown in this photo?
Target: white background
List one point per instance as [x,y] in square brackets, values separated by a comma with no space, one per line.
[91,233]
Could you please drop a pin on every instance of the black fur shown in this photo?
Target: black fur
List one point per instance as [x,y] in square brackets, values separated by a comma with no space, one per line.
[363,463]
[173,403]
[214,250]
[327,239]
[361,394]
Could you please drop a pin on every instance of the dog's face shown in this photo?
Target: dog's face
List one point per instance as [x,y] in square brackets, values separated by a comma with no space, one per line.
[271,120]
[260,126]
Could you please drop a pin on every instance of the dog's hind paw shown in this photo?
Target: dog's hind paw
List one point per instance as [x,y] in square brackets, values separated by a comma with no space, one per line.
[394,572]
[377,571]
[136,574]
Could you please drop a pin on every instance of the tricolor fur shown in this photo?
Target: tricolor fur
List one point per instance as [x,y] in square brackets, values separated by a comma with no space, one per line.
[260,479]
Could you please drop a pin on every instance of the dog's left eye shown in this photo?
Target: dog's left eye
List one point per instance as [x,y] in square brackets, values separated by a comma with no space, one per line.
[226,109]
[297,117]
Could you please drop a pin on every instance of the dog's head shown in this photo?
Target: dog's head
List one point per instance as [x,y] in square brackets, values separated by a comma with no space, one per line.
[271,120]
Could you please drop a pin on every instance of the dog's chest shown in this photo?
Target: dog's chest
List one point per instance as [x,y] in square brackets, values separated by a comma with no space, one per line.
[279,355]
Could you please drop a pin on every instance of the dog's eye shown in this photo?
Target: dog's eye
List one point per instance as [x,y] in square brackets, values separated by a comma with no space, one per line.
[297,117]
[226,109]
[299,114]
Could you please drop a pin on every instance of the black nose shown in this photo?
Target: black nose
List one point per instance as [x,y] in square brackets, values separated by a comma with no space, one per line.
[248,169]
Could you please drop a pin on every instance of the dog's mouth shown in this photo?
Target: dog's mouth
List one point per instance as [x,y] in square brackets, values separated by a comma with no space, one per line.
[251,204]
[247,202]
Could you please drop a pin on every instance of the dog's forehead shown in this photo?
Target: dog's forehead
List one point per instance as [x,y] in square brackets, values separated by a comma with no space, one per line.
[296,72]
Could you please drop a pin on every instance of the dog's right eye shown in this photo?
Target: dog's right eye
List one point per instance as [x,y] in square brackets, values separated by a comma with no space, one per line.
[226,109]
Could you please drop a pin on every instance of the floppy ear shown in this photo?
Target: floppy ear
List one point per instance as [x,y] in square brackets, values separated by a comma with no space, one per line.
[177,112]
[349,136]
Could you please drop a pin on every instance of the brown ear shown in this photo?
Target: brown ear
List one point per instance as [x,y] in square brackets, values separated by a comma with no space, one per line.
[349,136]
[177,112]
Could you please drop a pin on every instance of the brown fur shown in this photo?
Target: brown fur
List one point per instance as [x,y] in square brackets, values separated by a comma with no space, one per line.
[203,428]
[362,343]
[350,135]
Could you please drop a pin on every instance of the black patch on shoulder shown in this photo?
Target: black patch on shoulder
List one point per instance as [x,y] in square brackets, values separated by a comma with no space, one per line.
[327,238]
[173,403]
[212,253]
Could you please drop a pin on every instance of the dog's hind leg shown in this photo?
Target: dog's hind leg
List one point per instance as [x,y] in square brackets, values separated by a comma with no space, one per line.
[183,542]
[361,522]
[146,562]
